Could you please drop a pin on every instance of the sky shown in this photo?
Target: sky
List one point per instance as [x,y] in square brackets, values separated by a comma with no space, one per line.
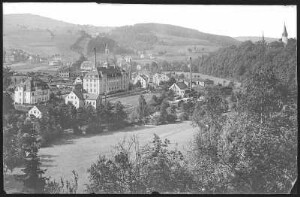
[229,20]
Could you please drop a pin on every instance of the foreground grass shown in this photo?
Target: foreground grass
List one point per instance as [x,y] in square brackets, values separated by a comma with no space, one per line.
[80,152]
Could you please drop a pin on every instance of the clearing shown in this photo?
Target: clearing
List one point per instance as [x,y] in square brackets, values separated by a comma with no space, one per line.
[79,153]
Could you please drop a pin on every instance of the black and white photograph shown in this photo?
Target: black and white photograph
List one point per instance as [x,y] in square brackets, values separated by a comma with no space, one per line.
[116,98]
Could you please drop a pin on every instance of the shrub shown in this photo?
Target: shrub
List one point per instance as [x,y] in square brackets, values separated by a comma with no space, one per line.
[135,169]
[93,128]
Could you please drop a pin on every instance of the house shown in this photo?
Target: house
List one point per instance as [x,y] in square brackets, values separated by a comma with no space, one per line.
[75,98]
[33,90]
[65,73]
[81,99]
[86,66]
[78,80]
[159,77]
[92,99]
[179,88]
[143,79]
[38,111]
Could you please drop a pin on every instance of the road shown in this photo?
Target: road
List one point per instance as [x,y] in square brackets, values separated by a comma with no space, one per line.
[79,153]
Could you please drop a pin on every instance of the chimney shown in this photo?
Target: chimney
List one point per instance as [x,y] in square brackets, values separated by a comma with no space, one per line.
[190,73]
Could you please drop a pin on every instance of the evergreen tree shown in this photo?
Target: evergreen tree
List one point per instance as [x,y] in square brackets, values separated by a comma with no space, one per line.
[32,177]
[119,115]
[141,109]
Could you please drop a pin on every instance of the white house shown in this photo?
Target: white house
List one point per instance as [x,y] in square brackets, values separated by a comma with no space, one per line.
[75,98]
[79,99]
[158,78]
[92,99]
[179,88]
[144,80]
[38,111]
[33,90]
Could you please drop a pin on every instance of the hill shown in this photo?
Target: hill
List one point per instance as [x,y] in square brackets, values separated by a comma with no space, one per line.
[168,39]
[45,36]
[238,61]
[255,39]
[41,35]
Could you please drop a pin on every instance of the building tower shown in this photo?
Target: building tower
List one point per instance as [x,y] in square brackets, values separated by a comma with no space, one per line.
[284,36]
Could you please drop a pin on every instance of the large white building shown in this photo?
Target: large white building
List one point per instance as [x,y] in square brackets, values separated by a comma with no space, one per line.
[106,79]
[33,90]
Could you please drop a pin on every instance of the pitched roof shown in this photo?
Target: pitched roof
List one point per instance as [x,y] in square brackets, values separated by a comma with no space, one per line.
[144,77]
[182,85]
[89,96]
[78,94]
[33,83]
[42,108]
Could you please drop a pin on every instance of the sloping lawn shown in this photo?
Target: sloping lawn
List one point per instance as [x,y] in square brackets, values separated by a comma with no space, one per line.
[79,153]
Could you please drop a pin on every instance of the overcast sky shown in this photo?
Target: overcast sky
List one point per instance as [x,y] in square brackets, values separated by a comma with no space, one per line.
[216,19]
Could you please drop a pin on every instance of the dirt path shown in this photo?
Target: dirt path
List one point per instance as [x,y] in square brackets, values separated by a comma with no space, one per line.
[78,154]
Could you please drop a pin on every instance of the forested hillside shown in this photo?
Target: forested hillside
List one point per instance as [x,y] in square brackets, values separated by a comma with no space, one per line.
[239,61]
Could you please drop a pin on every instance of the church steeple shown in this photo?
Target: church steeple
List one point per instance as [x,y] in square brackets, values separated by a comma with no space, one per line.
[284,35]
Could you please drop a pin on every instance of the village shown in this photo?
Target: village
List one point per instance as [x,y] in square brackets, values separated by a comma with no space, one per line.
[93,83]
[149,107]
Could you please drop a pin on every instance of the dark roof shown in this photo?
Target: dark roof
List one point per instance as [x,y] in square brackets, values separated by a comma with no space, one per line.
[144,77]
[181,85]
[89,96]
[42,108]
[34,83]
[110,70]
[78,94]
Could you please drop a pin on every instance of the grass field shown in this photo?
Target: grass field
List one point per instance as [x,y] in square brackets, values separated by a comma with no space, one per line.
[132,101]
[78,153]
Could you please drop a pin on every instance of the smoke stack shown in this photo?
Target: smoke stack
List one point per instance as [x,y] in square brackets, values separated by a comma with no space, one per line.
[95,57]
[190,73]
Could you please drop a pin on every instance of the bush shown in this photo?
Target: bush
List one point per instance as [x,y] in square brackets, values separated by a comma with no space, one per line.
[183,117]
[135,169]
[93,128]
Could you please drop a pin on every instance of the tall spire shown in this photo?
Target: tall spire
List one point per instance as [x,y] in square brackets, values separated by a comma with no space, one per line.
[284,34]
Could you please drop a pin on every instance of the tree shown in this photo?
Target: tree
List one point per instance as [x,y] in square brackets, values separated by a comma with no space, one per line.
[172,116]
[12,156]
[171,95]
[141,109]
[81,117]
[7,73]
[7,103]
[119,115]
[32,177]
[134,169]
[163,112]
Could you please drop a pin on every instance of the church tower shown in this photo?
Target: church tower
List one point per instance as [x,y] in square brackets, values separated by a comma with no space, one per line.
[284,36]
